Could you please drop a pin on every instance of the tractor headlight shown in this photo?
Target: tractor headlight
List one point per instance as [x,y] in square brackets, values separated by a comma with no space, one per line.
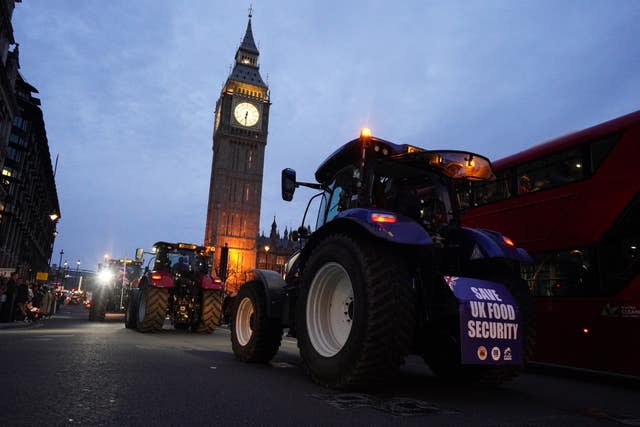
[105,276]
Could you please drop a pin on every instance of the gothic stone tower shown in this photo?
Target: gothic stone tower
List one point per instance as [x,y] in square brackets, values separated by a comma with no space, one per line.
[239,141]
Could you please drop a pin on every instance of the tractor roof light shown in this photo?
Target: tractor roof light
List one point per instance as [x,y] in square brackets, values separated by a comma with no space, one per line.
[365,134]
[507,241]
[383,218]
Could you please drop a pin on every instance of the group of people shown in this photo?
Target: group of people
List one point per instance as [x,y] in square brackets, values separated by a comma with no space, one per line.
[25,302]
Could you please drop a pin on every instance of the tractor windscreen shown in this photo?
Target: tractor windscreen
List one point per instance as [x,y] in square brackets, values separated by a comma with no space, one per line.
[177,260]
[417,192]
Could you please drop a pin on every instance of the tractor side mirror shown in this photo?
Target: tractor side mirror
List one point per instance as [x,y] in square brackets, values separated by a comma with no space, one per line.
[139,254]
[288,184]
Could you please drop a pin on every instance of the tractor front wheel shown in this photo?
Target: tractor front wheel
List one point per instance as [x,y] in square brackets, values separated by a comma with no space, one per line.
[355,314]
[131,315]
[98,309]
[254,336]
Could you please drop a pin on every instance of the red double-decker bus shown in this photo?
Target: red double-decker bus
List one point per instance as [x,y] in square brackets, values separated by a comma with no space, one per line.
[574,204]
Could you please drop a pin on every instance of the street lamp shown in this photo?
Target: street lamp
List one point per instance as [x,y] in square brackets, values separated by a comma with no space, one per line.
[54,216]
[266,256]
[79,279]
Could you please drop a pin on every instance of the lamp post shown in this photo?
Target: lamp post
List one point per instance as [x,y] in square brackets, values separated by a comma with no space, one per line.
[64,272]
[54,219]
[266,256]
[78,278]
[60,263]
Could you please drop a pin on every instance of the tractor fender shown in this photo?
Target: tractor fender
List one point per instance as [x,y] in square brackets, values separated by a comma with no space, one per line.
[207,281]
[402,230]
[478,244]
[158,279]
[358,221]
[273,290]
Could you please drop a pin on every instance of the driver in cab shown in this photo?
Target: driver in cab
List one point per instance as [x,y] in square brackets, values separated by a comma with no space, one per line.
[181,266]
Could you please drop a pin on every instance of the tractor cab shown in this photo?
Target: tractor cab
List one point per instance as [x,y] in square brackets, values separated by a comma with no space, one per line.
[182,259]
[372,173]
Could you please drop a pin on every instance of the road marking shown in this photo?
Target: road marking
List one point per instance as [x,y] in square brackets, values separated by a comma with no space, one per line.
[282,365]
[620,419]
[398,406]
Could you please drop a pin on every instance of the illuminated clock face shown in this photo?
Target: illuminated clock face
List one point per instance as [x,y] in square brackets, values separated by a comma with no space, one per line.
[246,114]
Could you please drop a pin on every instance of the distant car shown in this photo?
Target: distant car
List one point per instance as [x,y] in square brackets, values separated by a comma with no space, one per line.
[75,298]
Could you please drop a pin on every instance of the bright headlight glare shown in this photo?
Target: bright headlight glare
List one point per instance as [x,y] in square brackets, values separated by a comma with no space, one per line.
[105,276]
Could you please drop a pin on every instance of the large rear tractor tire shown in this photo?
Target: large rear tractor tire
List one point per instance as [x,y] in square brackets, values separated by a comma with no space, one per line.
[254,336]
[442,354]
[152,309]
[131,315]
[210,311]
[98,309]
[355,315]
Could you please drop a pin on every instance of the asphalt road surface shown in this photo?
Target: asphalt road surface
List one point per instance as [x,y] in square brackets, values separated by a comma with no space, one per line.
[69,371]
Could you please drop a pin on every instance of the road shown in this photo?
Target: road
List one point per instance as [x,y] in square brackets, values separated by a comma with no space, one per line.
[68,371]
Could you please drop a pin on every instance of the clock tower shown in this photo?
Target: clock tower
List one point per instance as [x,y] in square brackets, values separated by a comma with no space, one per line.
[241,122]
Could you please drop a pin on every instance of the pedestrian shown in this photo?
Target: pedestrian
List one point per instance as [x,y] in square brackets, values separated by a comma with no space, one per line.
[47,302]
[21,298]
[3,294]
[8,308]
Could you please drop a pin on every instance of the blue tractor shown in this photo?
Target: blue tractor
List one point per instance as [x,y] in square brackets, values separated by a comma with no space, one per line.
[390,271]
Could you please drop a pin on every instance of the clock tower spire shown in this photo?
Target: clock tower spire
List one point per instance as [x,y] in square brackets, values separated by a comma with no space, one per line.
[239,140]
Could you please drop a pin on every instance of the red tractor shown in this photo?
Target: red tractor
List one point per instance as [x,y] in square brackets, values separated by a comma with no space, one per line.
[181,286]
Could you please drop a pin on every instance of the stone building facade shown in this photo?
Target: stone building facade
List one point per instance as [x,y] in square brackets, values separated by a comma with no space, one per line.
[8,72]
[31,210]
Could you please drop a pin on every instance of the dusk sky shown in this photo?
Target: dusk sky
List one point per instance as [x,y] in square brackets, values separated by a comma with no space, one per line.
[128,90]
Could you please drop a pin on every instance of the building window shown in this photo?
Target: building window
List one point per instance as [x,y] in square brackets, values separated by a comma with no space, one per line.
[250,160]
[247,191]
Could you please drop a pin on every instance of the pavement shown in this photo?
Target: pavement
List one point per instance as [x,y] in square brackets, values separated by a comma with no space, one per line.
[21,324]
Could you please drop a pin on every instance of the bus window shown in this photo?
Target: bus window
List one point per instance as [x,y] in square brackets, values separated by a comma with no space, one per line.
[483,192]
[561,274]
[552,171]
[600,149]
[619,252]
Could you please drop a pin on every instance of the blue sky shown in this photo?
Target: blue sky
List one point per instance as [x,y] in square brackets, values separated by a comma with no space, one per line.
[128,90]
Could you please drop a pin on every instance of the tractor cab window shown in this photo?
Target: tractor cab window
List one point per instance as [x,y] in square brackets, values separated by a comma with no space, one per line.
[181,261]
[418,194]
[342,193]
